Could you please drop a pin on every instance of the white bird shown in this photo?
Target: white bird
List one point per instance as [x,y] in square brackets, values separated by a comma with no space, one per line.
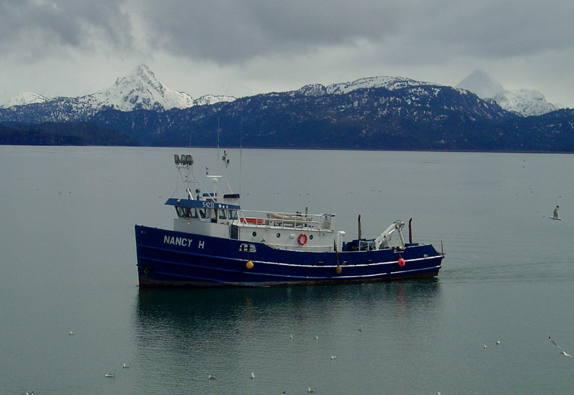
[72,333]
[555,215]
[498,342]
[310,390]
[316,337]
[485,346]
[252,376]
[126,366]
[561,350]
[111,375]
[210,377]
[360,329]
[333,357]
[291,337]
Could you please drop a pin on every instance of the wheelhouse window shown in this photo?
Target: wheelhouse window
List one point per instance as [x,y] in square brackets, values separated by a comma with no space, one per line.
[186,212]
[182,212]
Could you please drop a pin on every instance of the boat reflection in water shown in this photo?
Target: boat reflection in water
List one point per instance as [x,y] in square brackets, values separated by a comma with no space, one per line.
[283,335]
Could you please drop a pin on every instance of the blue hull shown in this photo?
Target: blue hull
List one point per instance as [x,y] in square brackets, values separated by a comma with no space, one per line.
[170,259]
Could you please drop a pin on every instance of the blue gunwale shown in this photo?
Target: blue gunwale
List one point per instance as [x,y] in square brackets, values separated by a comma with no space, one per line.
[220,262]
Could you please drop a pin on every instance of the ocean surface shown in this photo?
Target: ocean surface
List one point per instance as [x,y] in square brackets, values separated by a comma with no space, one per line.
[67,263]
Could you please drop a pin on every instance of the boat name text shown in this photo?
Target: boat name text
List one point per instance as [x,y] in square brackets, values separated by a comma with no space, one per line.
[181,241]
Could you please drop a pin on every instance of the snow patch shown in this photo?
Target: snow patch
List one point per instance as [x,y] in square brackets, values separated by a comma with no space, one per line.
[23,99]
[523,102]
[390,83]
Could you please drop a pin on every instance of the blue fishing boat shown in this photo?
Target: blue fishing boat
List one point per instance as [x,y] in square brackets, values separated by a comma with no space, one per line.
[214,242]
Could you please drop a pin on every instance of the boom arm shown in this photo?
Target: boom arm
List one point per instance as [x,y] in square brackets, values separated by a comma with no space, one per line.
[385,237]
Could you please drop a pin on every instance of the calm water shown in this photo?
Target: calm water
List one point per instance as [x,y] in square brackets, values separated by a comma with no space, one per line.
[68,264]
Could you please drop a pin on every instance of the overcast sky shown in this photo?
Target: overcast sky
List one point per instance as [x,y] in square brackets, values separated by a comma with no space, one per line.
[244,47]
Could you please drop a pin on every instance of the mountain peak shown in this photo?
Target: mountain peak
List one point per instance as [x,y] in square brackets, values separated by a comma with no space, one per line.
[141,90]
[143,76]
[481,84]
[23,99]
[524,102]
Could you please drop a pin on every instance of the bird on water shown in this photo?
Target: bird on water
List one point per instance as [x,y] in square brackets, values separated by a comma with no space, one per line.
[555,215]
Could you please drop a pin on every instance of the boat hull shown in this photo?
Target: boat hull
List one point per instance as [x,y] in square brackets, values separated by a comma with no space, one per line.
[175,259]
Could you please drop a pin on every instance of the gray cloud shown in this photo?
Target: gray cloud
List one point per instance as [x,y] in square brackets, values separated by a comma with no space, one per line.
[230,31]
[504,29]
[37,27]
[233,31]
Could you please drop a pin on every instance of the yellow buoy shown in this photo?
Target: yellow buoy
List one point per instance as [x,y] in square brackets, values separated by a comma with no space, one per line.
[339,269]
[249,265]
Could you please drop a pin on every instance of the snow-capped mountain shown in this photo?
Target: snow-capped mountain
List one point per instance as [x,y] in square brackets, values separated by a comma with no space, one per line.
[481,84]
[140,90]
[390,83]
[23,99]
[524,102]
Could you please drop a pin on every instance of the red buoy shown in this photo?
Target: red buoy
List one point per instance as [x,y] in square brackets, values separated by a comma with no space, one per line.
[402,262]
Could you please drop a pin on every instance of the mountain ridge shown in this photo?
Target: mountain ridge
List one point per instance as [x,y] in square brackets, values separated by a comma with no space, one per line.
[384,113]
[142,90]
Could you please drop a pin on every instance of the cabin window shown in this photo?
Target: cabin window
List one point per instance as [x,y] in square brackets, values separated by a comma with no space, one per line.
[182,212]
[213,215]
[193,212]
[310,237]
[222,214]
[201,213]
[278,235]
[232,214]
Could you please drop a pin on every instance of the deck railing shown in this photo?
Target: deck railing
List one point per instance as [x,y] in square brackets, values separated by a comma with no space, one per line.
[285,220]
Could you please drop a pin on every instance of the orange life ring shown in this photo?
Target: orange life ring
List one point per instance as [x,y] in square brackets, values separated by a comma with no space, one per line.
[302,239]
[402,262]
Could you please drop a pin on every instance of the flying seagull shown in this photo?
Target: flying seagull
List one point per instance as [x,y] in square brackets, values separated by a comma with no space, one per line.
[555,215]
[561,350]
